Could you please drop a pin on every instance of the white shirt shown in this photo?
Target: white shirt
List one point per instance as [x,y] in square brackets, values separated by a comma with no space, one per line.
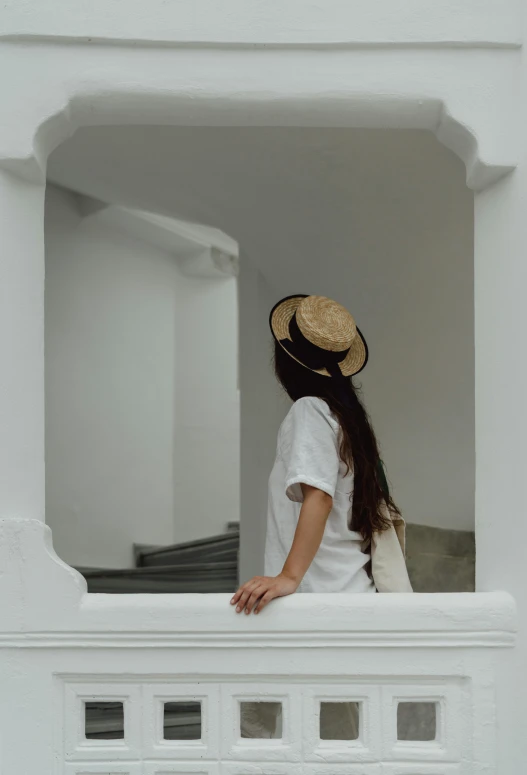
[308,453]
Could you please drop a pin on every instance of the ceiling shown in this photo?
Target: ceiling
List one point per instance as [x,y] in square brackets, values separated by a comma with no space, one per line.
[292,198]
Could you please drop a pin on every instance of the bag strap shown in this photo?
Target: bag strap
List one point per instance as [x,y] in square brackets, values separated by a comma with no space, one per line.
[381,471]
[397,521]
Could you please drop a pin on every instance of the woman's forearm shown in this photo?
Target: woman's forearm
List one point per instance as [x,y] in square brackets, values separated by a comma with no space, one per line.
[310,528]
[260,590]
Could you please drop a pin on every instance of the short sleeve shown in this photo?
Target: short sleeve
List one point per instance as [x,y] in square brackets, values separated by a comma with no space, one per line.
[310,450]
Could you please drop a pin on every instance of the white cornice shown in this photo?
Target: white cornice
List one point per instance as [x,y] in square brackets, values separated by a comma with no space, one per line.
[201,251]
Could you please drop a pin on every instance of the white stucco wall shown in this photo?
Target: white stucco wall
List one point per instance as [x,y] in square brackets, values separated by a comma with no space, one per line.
[410,282]
[249,21]
[207,465]
[125,448]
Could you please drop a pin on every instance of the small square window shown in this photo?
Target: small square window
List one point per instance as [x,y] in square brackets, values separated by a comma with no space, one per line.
[260,720]
[182,720]
[339,720]
[103,720]
[417,721]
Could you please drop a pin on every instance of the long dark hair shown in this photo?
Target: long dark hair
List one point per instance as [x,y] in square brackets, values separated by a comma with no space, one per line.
[358,446]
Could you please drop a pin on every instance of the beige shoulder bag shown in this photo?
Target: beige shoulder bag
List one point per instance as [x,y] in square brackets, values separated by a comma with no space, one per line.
[388,563]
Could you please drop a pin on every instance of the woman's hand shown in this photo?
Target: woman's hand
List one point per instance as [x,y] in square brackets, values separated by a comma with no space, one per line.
[256,593]
[308,535]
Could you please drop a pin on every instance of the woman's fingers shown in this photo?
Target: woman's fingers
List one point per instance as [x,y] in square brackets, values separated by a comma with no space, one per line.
[243,600]
[254,597]
[237,596]
[265,599]
[242,595]
[242,589]
[255,594]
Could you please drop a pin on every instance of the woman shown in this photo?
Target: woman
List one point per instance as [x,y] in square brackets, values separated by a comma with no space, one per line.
[332,525]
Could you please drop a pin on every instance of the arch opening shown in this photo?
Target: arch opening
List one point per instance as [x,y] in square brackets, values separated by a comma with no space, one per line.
[379,219]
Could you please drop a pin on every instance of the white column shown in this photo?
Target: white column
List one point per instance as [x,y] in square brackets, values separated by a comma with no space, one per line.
[501,430]
[263,407]
[21,348]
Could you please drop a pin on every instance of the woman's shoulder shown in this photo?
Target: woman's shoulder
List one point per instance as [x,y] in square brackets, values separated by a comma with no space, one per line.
[308,422]
[312,408]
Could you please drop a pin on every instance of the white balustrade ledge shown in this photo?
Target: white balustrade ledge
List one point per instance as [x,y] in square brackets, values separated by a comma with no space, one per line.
[64,651]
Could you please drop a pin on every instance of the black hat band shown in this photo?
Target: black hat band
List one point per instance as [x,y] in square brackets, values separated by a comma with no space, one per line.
[310,354]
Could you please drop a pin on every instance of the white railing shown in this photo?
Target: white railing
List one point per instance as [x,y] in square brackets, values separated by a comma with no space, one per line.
[61,648]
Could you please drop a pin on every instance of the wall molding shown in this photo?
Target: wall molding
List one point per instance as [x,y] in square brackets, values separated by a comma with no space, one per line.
[201,251]
[465,22]
[468,97]
[283,640]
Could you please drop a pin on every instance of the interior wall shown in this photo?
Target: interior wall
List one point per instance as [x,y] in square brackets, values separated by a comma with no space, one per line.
[207,463]
[130,383]
[408,278]
[263,406]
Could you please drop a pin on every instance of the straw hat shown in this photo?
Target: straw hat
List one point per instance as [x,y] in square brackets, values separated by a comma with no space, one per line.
[320,334]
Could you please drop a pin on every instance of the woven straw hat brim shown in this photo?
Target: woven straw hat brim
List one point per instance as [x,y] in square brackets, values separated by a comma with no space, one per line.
[280,319]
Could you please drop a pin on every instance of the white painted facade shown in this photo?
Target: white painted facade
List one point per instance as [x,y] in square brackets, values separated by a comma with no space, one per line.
[455,68]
